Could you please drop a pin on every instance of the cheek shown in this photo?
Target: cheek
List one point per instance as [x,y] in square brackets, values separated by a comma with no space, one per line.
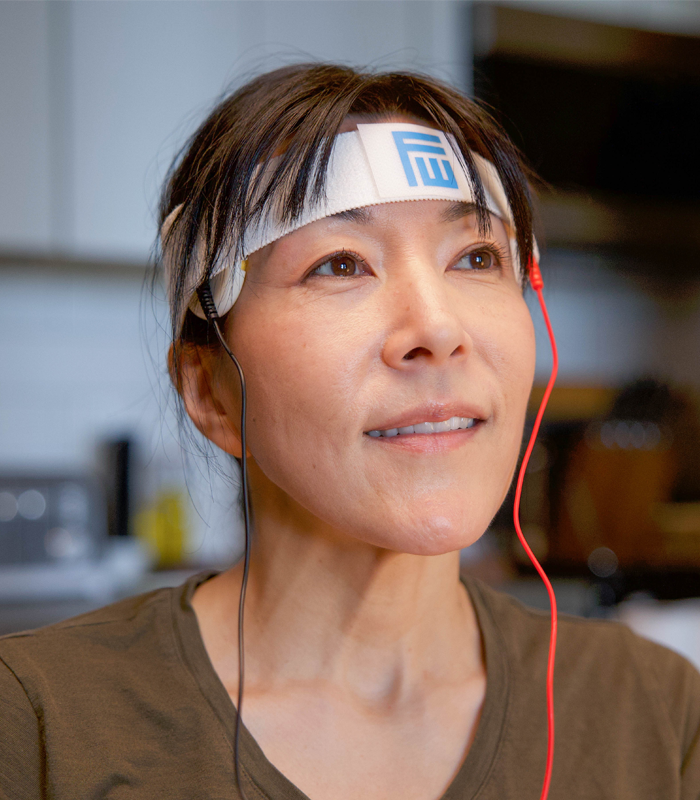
[302,383]
[505,349]
[506,343]
[523,369]
[517,370]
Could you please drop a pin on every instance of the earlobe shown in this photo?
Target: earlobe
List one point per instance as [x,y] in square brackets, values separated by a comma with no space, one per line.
[192,374]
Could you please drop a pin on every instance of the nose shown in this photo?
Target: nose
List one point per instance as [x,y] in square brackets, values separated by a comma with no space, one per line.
[426,326]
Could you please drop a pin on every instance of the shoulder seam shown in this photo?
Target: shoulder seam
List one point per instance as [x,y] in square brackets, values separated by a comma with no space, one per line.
[79,620]
[24,688]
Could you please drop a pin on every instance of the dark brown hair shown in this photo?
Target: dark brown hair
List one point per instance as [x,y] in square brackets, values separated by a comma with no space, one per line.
[297,110]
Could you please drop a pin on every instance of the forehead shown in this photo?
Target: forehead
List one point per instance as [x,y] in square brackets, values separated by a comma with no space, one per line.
[433,220]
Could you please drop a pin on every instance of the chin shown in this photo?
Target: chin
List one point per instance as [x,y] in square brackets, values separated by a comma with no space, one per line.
[429,535]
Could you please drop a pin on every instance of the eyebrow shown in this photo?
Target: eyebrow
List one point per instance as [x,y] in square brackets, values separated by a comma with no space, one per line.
[361,215]
[458,210]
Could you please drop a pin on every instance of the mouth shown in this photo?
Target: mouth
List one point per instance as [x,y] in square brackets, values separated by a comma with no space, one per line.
[426,428]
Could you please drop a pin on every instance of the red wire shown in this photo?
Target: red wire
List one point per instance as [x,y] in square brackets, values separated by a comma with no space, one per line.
[537,284]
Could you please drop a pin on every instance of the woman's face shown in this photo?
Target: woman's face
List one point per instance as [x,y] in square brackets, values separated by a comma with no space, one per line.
[380,319]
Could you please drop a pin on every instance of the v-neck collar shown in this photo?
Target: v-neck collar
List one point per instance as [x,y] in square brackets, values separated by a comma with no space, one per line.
[269,782]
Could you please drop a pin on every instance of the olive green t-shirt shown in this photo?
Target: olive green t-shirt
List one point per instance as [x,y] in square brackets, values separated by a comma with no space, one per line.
[123,702]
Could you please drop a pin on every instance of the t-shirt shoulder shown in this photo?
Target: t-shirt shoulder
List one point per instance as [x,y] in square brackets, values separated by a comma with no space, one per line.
[92,695]
[120,611]
[522,624]
[141,625]
[140,608]
[606,657]
[126,612]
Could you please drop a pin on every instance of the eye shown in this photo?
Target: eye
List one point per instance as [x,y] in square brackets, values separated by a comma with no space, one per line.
[478,260]
[341,265]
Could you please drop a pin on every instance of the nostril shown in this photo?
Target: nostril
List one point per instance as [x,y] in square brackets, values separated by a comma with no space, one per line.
[417,351]
[423,351]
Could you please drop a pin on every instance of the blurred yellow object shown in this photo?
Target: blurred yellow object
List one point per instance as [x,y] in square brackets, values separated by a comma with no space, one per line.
[162,526]
[678,518]
[679,524]
[573,401]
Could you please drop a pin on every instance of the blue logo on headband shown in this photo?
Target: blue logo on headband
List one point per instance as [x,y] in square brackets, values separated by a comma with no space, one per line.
[442,171]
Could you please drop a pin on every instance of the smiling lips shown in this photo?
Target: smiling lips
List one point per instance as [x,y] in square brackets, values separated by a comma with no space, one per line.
[451,424]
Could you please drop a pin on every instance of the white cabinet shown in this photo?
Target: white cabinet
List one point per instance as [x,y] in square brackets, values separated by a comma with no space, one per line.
[98,97]
[144,74]
[25,126]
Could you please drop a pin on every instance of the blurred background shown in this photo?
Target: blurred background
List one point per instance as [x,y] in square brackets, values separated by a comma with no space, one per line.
[98,499]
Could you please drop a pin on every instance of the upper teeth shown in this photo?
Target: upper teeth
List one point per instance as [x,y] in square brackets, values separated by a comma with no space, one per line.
[451,424]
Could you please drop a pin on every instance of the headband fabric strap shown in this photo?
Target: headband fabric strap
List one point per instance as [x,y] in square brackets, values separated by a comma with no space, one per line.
[379,163]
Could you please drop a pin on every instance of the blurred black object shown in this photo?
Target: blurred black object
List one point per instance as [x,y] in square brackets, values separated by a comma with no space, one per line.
[50,519]
[607,116]
[117,458]
[672,583]
[54,549]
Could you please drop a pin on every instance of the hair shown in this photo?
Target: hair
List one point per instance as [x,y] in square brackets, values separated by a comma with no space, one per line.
[297,111]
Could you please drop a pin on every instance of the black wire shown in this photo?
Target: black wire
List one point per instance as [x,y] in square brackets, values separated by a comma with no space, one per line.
[207,302]
[246,562]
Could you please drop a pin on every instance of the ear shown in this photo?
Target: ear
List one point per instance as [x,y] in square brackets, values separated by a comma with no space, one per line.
[212,404]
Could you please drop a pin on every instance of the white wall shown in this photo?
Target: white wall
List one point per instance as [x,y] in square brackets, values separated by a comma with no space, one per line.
[607,328]
[72,363]
[612,327]
[82,360]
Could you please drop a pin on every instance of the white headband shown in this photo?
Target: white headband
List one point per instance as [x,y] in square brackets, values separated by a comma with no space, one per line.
[379,163]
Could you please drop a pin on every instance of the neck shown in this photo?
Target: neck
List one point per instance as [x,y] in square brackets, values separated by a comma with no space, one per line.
[322,605]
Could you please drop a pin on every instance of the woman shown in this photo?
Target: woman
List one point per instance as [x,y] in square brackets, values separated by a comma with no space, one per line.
[389,356]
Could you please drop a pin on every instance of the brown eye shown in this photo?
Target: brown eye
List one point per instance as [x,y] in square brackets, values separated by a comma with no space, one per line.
[480,259]
[342,266]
